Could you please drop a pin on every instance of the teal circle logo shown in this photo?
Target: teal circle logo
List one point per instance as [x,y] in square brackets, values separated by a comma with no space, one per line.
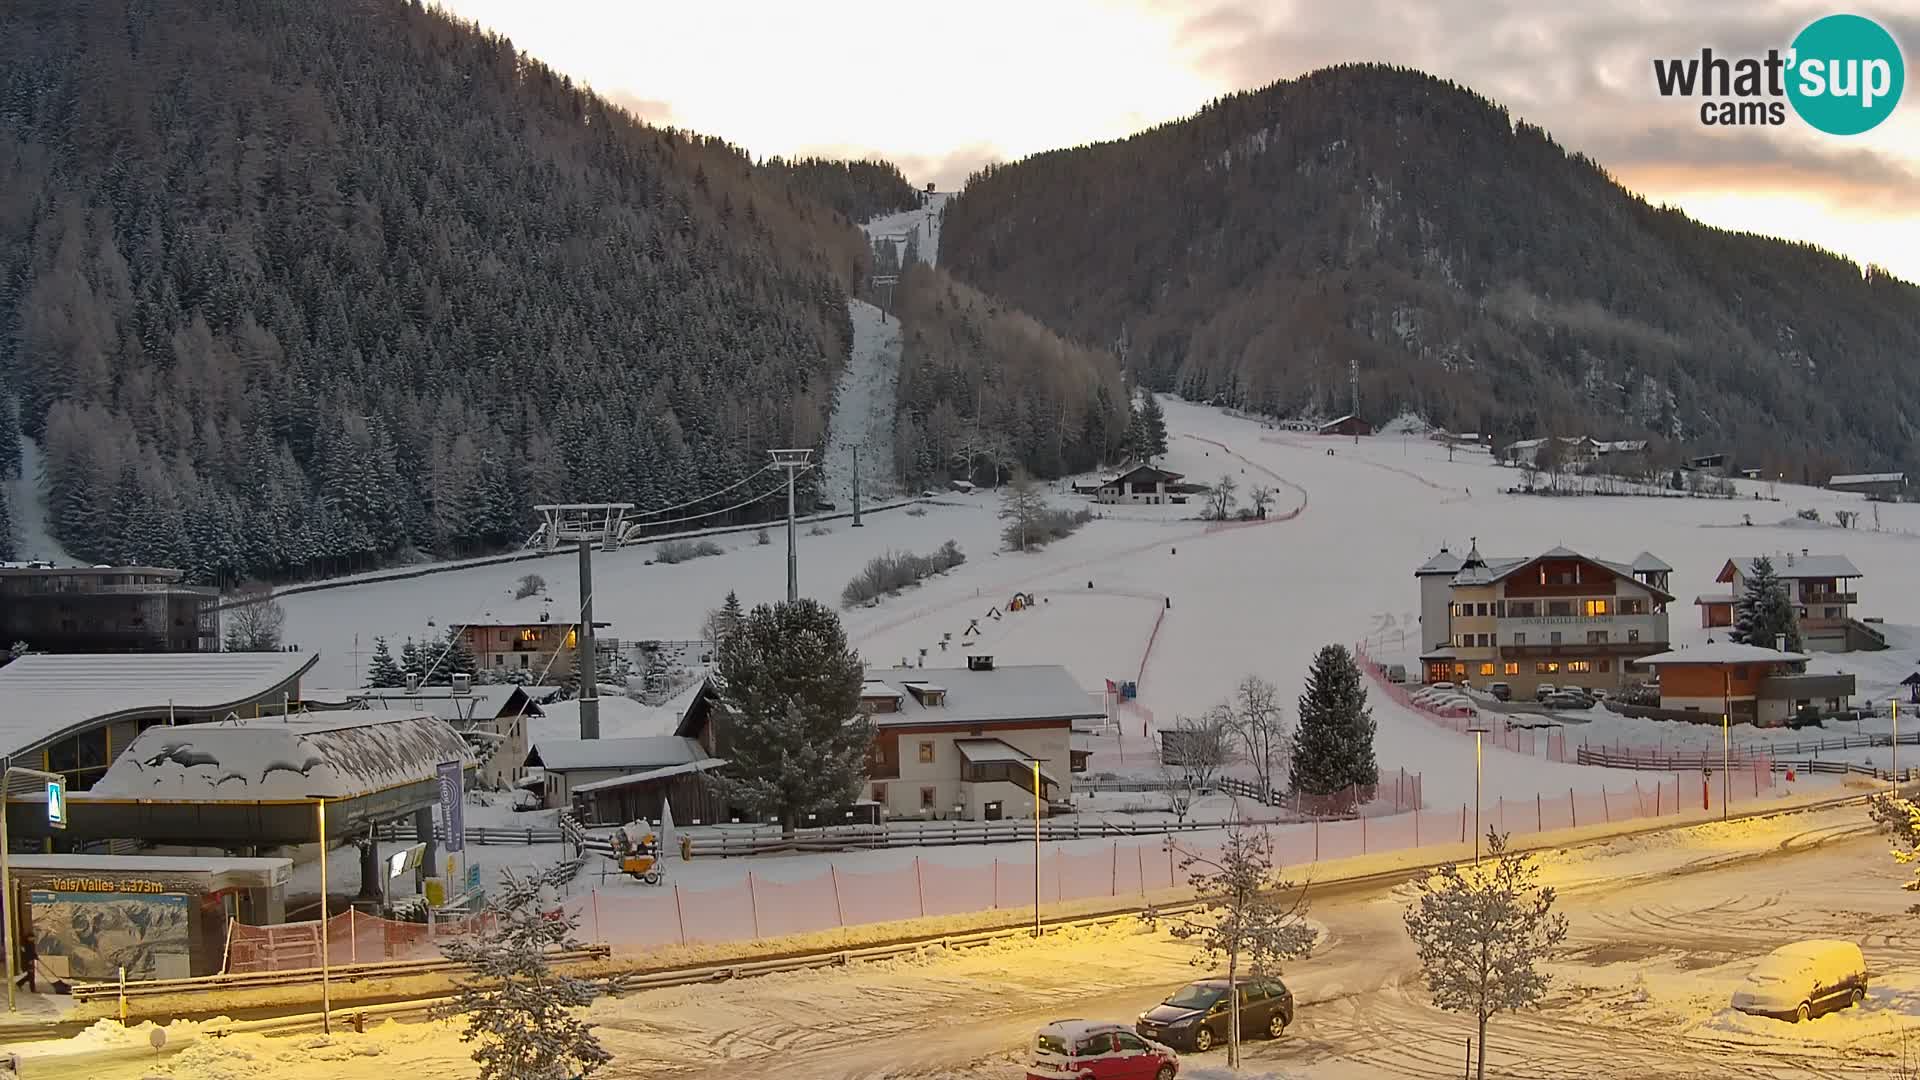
[1847,74]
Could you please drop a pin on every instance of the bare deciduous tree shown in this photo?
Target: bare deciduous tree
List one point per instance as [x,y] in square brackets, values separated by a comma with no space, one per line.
[253,625]
[1261,496]
[1220,501]
[1482,932]
[1261,728]
[529,585]
[1192,754]
[1248,914]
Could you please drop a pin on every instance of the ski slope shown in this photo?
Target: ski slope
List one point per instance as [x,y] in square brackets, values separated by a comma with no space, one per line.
[1243,600]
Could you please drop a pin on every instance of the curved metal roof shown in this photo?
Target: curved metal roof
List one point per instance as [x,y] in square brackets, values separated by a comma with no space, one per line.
[54,695]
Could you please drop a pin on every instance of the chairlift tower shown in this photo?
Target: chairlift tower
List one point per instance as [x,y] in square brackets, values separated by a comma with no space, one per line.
[794,461]
[584,525]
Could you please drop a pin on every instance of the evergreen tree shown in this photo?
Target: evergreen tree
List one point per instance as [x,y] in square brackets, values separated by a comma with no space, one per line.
[1151,438]
[6,522]
[450,655]
[384,671]
[732,617]
[1333,740]
[1765,610]
[789,714]
[411,662]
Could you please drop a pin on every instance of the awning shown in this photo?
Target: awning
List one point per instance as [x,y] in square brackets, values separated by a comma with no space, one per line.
[1714,598]
[982,751]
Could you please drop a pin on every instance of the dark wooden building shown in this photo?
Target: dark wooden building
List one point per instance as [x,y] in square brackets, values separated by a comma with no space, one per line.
[106,609]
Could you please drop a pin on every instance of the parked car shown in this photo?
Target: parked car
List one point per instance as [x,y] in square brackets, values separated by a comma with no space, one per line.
[1501,691]
[1804,980]
[1442,686]
[1569,699]
[1544,691]
[1197,1017]
[1396,673]
[1097,1050]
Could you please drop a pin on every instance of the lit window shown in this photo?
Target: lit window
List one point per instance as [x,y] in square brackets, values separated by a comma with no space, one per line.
[1511,668]
[1579,666]
[1546,667]
[1460,671]
[926,753]
[1596,608]
[1486,669]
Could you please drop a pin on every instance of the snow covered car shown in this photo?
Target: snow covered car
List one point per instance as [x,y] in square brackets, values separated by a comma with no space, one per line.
[1804,980]
[1097,1050]
[1196,1017]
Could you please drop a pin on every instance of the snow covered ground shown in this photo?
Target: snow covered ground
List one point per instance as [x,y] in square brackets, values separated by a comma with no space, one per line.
[27,503]
[863,406]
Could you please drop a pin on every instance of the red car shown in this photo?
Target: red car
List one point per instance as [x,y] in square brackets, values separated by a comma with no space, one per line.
[1097,1050]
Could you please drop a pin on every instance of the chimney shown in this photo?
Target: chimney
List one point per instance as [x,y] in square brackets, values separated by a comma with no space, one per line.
[979,663]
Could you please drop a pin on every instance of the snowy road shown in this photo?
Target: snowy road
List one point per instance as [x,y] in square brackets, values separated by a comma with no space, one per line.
[1663,926]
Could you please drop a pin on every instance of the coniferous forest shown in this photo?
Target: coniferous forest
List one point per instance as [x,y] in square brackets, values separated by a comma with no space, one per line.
[1473,269]
[288,287]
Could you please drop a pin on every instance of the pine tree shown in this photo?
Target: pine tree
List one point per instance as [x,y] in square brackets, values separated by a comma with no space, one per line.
[411,662]
[6,521]
[732,617]
[449,656]
[1152,434]
[1333,740]
[1764,612]
[520,1012]
[384,671]
[788,710]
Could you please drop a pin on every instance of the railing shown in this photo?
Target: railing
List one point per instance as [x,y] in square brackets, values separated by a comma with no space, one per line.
[1758,765]
[761,841]
[485,836]
[1829,598]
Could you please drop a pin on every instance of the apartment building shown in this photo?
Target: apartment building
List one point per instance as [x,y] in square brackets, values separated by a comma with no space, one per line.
[106,609]
[1824,590]
[1560,617]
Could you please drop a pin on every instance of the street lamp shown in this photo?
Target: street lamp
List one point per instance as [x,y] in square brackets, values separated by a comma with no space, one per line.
[7,771]
[1896,748]
[1479,728]
[1726,740]
[326,977]
[1036,848]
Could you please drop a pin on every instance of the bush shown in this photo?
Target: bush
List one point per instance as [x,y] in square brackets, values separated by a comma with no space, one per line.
[761,538]
[679,551]
[887,574]
[819,530]
[1807,515]
[530,585]
[1045,527]
[916,511]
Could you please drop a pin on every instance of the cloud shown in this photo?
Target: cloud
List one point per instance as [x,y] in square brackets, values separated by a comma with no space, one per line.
[947,171]
[1585,73]
[657,113]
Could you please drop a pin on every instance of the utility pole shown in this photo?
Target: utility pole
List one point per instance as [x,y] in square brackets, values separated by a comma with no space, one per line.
[793,461]
[583,653]
[856,488]
[1353,384]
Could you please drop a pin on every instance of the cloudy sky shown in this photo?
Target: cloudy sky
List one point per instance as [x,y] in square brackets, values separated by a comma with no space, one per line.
[943,88]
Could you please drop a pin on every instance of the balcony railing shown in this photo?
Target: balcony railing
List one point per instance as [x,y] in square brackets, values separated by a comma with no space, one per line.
[1829,598]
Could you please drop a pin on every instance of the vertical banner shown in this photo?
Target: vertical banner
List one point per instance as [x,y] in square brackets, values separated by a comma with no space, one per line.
[450,805]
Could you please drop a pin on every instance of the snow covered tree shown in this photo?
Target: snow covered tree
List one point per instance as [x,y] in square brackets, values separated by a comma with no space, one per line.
[519,1011]
[1482,933]
[788,716]
[384,671]
[1333,744]
[1192,754]
[1260,727]
[1248,914]
[411,662]
[1147,435]
[1220,501]
[253,625]
[6,521]
[1021,507]
[1764,610]
[1900,818]
[450,655]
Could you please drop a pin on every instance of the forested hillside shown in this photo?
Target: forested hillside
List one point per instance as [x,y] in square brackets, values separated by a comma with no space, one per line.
[984,387]
[287,286]
[1475,270]
[859,190]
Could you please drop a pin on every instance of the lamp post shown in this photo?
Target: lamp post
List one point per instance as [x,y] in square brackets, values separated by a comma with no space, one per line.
[8,906]
[326,976]
[1726,740]
[1478,728]
[1896,748]
[1036,848]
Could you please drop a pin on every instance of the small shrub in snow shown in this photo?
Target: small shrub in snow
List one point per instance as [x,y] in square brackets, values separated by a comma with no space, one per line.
[679,551]
[916,511]
[887,574]
[819,530]
[761,538]
[529,585]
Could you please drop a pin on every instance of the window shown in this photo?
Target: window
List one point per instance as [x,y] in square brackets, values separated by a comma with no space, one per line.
[1510,668]
[1606,665]
[1553,638]
[506,636]
[1546,667]
[1252,992]
[1481,609]
[523,661]
[499,659]
[879,793]
[1459,671]
[1633,607]
[1633,635]
[1128,1043]
[1596,608]
[926,753]
[1596,637]
[1740,671]
[1579,667]
[1559,607]
[1523,609]
[1520,638]
[927,796]
[1486,669]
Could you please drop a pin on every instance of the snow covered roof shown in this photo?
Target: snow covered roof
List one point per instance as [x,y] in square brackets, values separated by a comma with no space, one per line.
[1621,446]
[620,718]
[1869,478]
[701,765]
[1156,473]
[999,694]
[1714,598]
[329,755]
[1497,569]
[649,752]
[1074,1031]
[482,703]
[1794,567]
[1648,563]
[984,750]
[52,695]
[872,689]
[1722,652]
[1446,562]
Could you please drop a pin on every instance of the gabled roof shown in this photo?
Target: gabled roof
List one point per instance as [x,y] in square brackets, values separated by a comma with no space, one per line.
[51,695]
[1446,562]
[665,772]
[1714,598]
[648,752]
[1722,652]
[1162,475]
[1800,566]
[997,695]
[1498,569]
[1648,563]
[335,755]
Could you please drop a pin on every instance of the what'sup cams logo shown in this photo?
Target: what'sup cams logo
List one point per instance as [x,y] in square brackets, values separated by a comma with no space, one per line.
[1842,75]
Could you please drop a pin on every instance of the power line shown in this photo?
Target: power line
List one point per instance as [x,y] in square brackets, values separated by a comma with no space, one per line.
[715,513]
[703,498]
